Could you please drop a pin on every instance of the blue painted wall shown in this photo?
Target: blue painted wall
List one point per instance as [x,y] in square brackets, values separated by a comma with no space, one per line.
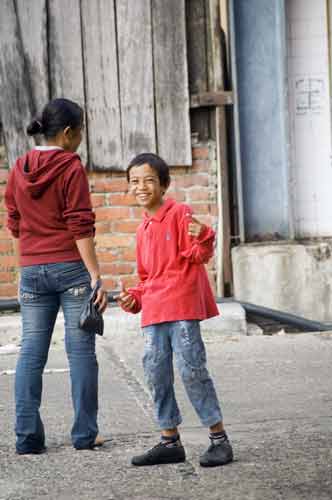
[260,41]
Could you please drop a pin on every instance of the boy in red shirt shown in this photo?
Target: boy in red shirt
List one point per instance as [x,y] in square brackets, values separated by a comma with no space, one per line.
[174,295]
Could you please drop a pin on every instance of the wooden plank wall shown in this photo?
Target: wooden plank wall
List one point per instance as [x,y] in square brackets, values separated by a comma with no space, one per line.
[125,62]
[171,95]
[101,83]
[34,42]
[16,103]
[65,56]
[136,77]
[197,64]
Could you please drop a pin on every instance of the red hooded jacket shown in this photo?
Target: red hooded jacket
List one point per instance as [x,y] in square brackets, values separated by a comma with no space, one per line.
[48,203]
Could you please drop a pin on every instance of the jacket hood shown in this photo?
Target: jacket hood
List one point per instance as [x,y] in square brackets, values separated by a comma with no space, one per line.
[37,169]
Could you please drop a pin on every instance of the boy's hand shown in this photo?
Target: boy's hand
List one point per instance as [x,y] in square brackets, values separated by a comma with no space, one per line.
[125,299]
[101,297]
[194,227]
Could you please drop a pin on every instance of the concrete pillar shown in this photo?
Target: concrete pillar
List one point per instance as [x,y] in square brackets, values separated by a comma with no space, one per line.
[260,39]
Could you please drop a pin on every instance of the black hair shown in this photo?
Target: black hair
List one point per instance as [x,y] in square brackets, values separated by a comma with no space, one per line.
[56,116]
[155,162]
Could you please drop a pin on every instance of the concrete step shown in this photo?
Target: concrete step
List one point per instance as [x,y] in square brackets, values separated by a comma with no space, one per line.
[232,321]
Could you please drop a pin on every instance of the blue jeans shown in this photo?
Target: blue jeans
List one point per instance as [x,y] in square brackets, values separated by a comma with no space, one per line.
[184,339]
[43,289]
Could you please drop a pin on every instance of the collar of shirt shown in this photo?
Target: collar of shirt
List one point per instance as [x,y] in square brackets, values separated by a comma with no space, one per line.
[47,148]
[160,214]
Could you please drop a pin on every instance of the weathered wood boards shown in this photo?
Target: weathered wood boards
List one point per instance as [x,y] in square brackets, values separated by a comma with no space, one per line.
[16,104]
[101,84]
[65,55]
[32,17]
[171,81]
[136,77]
[124,62]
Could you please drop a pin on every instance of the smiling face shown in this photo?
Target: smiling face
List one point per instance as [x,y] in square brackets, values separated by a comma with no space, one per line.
[145,186]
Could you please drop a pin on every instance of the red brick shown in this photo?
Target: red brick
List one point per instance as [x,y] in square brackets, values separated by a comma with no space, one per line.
[124,199]
[118,185]
[201,166]
[182,181]
[106,256]
[200,208]
[3,218]
[115,240]
[200,153]
[137,212]
[207,219]
[8,290]
[198,195]
[192,180]
[177,171]
[110,213]
[128,226]
[130,280]
[177,195]
[7,262]
[7,277]
[117,268]
[103,227]
[128,254]
[4,233]
[6,246]
[110,284]
[214,209]
[98,200]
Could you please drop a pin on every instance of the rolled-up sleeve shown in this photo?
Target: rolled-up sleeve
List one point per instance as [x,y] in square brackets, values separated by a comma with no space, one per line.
[13,215]
[78,213]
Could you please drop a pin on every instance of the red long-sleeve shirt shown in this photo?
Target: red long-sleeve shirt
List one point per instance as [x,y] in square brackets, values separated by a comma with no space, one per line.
[174,284]
[48,204]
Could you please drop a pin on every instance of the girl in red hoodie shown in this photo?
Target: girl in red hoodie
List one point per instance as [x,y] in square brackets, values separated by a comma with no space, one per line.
[51,218]
[174,295]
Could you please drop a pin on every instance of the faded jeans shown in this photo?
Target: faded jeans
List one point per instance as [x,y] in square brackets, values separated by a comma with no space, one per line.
[184,339]
[43,289]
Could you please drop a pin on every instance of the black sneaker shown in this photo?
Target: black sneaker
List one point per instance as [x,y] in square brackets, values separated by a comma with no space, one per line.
[217,454]
[38,451]
[162,453]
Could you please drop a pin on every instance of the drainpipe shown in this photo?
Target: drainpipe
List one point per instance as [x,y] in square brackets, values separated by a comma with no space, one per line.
[236,131]
[306,325]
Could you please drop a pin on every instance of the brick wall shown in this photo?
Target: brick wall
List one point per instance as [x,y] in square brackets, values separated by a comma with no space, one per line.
[117,217]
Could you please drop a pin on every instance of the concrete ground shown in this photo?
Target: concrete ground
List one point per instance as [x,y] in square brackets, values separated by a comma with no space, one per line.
[276,394]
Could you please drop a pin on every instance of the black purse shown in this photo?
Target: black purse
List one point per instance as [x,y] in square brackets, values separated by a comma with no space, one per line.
[91,320]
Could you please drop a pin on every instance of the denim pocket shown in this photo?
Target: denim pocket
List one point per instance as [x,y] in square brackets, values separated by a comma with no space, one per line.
[72,275]
[29,279]
[68,269]
[26,297]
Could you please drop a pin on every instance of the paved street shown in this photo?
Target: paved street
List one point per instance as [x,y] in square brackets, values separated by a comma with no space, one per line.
[277,400]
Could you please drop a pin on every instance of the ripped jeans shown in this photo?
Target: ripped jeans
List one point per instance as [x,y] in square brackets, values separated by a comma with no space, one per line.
[184,339]
[43,289]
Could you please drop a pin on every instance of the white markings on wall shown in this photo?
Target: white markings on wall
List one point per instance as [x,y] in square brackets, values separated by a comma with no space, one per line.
[309,117]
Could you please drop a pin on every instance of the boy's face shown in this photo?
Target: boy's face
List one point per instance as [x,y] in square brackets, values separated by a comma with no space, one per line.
[145,186]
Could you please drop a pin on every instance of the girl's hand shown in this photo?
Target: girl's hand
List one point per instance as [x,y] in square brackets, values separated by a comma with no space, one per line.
[125,299]
[101,298]
[194,227]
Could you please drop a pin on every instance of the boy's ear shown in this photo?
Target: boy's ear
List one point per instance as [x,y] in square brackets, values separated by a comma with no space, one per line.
[67,132]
